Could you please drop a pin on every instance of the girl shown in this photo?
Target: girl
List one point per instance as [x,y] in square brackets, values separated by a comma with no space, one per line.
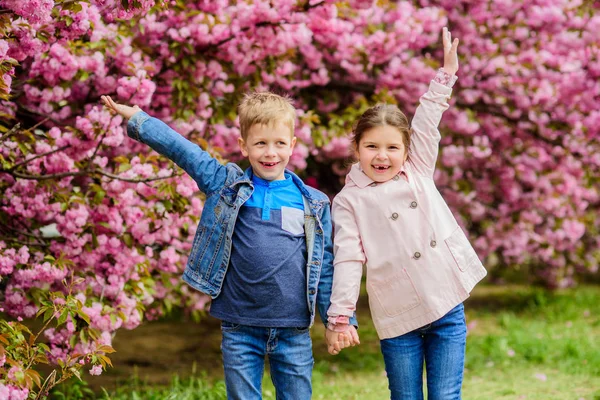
[420,265]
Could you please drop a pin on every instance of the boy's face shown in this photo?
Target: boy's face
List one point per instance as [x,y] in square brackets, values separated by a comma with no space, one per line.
[268,148]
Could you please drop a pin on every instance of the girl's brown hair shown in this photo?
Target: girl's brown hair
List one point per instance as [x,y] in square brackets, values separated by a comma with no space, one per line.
[382,115]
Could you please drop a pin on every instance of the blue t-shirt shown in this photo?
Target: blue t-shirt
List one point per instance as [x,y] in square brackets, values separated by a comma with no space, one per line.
[265,284]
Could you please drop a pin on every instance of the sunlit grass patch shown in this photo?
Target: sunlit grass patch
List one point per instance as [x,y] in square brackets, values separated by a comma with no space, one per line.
[523,344]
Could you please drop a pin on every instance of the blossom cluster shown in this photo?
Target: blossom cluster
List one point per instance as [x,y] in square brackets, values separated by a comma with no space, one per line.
[518,164]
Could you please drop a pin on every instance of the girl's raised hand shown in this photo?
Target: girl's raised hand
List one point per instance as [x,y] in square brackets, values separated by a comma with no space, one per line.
[121,109]
[450,52]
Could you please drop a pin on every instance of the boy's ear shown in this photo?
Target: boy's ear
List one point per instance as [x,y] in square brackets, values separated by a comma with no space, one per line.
[293,142]
[243,147]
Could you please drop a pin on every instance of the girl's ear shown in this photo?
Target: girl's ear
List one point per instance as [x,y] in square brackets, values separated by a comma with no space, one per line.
[354,148]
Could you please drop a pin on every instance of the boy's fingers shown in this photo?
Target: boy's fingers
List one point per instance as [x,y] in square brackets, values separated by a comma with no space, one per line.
[112,102]
[346,341]
[355,339]
[108,102]
[337,347]
[331,350]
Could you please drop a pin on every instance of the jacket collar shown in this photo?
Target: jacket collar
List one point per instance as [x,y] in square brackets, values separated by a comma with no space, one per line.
[360,179]
[248,175]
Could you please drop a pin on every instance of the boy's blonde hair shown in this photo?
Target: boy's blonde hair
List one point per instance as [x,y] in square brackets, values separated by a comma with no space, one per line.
[265,108]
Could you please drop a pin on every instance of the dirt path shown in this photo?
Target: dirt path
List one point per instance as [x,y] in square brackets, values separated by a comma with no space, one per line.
[158,350]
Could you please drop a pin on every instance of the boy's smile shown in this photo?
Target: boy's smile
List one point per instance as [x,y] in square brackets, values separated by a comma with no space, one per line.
[268,148]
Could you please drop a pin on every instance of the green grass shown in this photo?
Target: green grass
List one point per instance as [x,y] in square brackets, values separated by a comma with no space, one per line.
[523,343]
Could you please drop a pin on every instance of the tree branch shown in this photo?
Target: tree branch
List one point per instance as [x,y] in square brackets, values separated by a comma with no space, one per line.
[24,243]
[83,173]
[30,111]
[36,157]
[21,232]
[12,131]
[491,110]
[214,46]
[307,5]
[134,180]
[44,177]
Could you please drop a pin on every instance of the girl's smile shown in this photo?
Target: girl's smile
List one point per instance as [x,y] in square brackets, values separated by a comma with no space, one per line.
[381,153]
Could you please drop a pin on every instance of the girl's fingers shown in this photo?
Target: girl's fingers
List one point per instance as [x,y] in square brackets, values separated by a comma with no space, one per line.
[445,37]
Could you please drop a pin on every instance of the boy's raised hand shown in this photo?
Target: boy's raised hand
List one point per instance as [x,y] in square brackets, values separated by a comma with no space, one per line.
[121,109]
[450,52]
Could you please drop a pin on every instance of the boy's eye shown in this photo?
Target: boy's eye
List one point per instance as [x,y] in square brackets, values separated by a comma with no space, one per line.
[282,143]
[260,143]
[394,147]
[370,146]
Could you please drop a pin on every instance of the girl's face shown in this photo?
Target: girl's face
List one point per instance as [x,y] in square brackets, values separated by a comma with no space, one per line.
[381,153]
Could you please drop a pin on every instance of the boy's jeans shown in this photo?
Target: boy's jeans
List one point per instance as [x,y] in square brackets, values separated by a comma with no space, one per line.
[441,345]
[290,358]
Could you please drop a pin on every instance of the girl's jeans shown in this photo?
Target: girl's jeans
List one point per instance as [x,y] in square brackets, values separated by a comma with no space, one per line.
[290,357]
[441,345]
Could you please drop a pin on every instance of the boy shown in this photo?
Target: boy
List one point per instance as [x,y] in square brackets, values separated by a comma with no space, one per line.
[262,250]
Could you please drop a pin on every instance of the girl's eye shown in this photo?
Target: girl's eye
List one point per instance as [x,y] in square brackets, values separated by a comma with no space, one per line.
[394,147]
[370,146]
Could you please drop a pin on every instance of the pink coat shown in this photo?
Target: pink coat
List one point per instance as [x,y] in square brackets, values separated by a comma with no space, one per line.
[419,262]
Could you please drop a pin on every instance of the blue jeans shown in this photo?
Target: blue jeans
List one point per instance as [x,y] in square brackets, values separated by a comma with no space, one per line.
[441,345]
[290,357]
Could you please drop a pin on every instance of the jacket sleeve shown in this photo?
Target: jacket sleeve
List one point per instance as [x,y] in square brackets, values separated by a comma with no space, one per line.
[326,278]
[349,260]
[425,137]
[209,174]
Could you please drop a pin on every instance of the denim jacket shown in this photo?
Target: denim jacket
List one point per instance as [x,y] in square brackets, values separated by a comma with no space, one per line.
[227,187]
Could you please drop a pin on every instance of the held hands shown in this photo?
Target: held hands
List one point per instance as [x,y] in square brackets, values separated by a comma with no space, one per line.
[336,341]
[450,53]
[121,109]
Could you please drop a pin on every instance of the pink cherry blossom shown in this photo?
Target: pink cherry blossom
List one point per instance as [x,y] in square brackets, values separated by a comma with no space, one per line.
[518,161]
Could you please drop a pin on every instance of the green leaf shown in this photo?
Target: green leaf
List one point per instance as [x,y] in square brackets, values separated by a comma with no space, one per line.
[63,317]
[123,167]
[41,311]
[99,196]
[48,314]
[128,239]
[83,316]
[75,371]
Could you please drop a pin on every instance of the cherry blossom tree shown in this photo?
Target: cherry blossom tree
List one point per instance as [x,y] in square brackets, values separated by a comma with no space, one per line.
[95,228]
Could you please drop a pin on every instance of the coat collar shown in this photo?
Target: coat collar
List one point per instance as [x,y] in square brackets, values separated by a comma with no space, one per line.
[360,179]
